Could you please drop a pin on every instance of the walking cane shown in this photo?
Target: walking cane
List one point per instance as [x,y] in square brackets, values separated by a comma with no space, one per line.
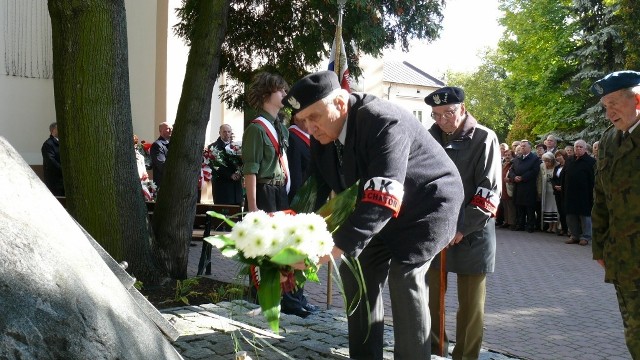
[443,288]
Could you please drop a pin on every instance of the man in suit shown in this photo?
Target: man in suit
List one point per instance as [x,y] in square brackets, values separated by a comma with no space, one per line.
[227,184]
[51,162]
[476,152]
[409,198]
[577,187]
[159,151]
[616,209]
[524,173]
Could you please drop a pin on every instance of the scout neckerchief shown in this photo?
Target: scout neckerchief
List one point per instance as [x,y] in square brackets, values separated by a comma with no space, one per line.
[273,136]
[301,134]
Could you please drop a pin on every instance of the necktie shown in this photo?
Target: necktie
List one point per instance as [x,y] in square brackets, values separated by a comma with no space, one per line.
[625,135]
[339,150]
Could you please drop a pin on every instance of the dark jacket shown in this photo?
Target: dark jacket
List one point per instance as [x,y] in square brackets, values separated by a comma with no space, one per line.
[225,189]
[158,152]
[298,155]
[386,142]
[577,185]
[52,167]
[525,192]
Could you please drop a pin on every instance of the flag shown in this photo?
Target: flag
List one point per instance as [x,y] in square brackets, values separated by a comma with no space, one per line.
[343,76]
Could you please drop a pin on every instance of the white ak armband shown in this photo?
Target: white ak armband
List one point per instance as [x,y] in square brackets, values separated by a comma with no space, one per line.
[486,200]
[384,192]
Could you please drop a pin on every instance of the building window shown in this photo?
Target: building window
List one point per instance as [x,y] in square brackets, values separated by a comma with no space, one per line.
[418,114]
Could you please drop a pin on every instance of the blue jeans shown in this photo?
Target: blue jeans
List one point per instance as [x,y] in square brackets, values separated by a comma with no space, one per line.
[580,226]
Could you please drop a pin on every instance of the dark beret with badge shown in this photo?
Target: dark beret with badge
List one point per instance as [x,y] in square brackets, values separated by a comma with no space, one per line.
[310,89]
[616,81]
[447,95]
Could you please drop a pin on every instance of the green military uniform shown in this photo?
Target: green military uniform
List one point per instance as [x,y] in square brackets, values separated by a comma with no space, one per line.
[616,224]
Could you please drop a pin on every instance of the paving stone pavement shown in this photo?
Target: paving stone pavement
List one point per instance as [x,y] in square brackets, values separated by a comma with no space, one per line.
[546,300]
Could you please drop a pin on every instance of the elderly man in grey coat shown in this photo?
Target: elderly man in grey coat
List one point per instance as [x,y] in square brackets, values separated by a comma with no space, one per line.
[471,254]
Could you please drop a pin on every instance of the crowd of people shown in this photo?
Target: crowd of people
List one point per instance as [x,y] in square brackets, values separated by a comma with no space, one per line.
[549,190]
[427,195]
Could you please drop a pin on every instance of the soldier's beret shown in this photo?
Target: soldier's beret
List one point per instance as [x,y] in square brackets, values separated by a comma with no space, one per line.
[616,81]
[445,96]
[310,89]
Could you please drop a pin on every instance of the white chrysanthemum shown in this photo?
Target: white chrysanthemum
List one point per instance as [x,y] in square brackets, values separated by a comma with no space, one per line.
[309,234]
[253,234]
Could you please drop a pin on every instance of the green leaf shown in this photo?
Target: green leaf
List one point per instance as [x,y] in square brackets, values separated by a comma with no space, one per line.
[305,199]
[337,210]
[222,217]
[269,296]
[219,241]
[288,256]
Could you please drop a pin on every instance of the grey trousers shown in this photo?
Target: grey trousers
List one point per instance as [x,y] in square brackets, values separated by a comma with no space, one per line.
[409,304]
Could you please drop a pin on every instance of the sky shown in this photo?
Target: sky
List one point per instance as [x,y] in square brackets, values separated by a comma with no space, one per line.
[468,27]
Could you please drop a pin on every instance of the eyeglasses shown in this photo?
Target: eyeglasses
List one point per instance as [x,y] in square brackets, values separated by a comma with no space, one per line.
[449,114]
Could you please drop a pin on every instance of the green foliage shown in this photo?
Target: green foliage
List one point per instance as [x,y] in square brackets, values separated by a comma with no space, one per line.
[184,290]
[290,36]
[534,52]
[138,284]
[226,292]
[486,98]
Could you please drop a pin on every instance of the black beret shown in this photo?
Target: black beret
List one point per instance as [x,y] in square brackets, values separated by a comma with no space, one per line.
[310,89]
[445,96]
[616,81]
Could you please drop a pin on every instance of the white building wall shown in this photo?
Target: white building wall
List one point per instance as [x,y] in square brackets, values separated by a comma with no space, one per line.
[28,104]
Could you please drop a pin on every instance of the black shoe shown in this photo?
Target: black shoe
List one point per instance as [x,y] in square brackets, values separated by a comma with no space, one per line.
[311,308]
[300,312]
[531,230]
[517,228]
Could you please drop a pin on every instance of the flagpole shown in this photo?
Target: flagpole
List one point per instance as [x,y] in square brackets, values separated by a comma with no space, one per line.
[338,40]
[336,68]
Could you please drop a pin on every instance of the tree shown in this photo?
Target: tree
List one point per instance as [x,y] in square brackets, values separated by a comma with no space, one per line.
[599,51]
[534,51]
[93,111]
[485,95]
[176,207]
[290,37]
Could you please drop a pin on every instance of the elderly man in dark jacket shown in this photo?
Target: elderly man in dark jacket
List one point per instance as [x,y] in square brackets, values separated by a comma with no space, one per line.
[409,198]
[524,173]
[476,152]
[577,185]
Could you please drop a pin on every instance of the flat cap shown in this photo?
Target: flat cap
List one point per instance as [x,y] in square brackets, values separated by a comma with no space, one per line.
[310,89]
[616,81]
[445,96]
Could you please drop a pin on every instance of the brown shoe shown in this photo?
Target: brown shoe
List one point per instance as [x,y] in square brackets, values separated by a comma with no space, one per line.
[572,240]
[583,242]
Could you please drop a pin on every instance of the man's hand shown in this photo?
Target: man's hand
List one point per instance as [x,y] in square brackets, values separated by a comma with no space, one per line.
[601,262]
[336,253]
[235,176]
[456,239]
[518,179]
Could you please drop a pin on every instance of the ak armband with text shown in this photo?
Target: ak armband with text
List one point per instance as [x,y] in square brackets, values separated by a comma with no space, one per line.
[384,192]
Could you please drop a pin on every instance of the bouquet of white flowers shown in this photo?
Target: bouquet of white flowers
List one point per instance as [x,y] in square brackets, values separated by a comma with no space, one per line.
[271,243]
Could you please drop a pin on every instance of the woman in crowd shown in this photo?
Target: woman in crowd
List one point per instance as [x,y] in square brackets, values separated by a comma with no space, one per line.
[508,207]
[545,190]
[556,180]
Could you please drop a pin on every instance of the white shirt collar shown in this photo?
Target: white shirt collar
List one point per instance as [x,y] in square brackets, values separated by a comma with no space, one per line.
[633,127]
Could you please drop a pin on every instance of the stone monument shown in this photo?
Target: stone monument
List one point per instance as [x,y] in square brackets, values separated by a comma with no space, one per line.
[62,296]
